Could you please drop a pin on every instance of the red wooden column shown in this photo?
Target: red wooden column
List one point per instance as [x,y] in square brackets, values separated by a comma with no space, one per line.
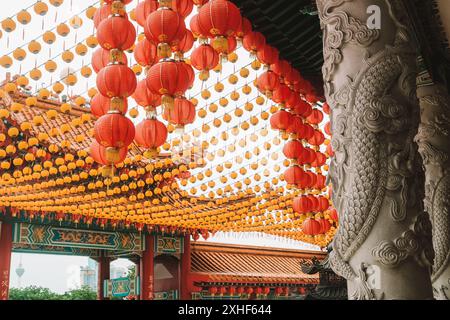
[147,268]
[5,258]
[103,274]
[186,269]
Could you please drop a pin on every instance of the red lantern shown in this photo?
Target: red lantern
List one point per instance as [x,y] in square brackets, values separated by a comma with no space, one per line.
[100,105]
[302,108]
[296,126]
[293,77]
[311,227]
[204,58]
[333,214]
[240,290]
[292,149]
[294,175]
[326,108]
[267,83]
[320,160]
[301,204]
[169,79]
[151,134]
[232,290]
[220,19]
[311,98]
[266,291]
[330,151]
[114,130]
[316,117]
[320,181]
[190,72]
[325,226]
[278,291]
[146,53]
[196,28]
[101,58]
[258,290]
[116,32]
[182,113]
[183,7]
[212,290]
[254,42]
[293,100]
[244,29]
[281,68]
[282,94]
[186,43]
[100,154]
[222,290]
[143,10]
[101,14]
[317,139]
[116,81]
[314,201]
[268,55]
[280,120]
[249,290]
[144,97]
[166,28]
[324,204]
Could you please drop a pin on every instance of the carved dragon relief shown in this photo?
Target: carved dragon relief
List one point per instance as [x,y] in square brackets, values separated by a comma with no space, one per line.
[374,122]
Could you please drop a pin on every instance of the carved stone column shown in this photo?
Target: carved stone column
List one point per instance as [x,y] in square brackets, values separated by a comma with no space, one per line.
[382,246]
[434,146]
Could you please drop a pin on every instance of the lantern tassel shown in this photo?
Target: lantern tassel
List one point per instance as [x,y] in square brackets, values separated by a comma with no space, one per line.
[164,50]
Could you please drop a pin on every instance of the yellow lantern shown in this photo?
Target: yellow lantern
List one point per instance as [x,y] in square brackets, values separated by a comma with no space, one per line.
[233,79]
[49,37]
[90,12]
[50,66]
[63,29]
[19,54]
[256,65]
[10,87]
[24,17]
[65,108]
[34,47]
[76,22]
[40,8]
[22,81]
[218,87]
[67,56]
[6,61]
[44,93]
[8,25]
[91,41]
[58,87]
[71,79]
[13,132]
[56,3]
[35,74]
[16,107]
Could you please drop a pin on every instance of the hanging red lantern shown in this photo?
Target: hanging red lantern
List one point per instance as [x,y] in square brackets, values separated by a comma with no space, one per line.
[116,81]
[311,227]
[301,204]
[151,134]
[324,204]
[327,128]
[240,290]
[244,29]
[190,72]
[204,58]
[329,150]
[249,290]
[266,291]
[114,130]
[183,7]
[143,10]
[146,53]
[101,58]
[333,214]
[292,149]
[325,226]
[296,127]
[220,19]
[196,28]
[182,113]
[169,79]
[281,68]
[294,175]
[326,108]
[268,55]
[258,290]
[317,139]
[308,131]
[116,32]
[212,290]
[222,290]
[293,77]
[254,42]
[311,98]
[100,105]
[320,182]
[232,290]
[267,83]
[320,160]
[101,14]
[316,117]
[278,291]
[302,108]
[165,28]
[185,44]
[144,97]
[281,94]
[280,120]
[107,156]
[310,183]
[293,100]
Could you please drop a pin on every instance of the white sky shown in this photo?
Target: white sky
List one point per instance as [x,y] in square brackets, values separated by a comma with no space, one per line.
[54,271]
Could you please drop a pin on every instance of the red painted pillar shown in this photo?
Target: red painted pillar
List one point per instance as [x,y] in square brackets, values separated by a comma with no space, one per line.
[186,269]
[103,274]
[147,268]
[5,258]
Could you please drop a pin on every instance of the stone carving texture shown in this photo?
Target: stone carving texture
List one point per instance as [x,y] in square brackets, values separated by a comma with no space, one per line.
[376,170]
[434,146]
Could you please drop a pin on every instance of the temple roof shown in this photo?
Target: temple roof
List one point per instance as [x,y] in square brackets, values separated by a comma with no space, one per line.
[238,264]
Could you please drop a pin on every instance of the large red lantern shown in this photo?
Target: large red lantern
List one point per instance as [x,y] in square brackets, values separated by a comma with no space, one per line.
[294,175]
[281,68]
[186,43]
[213,290]
[317,139]
[143,10]
[296,127]
[254,42]
[101,58]
[114,130]
[301,204]
[146,53]
[144,97]
[169,79]
[280,120]
[220,19]
[151,134]
[292,149]
[316,117]
[116,32]
[267,83]
[107,156]
[204,58]
[311,227]
[166,28]
[190,72]
[196,28]
[268,55]
[182,113]
[325,226]
[302,108]
[100,105]
[244,29]
[183,7]
[282,94]
[116,81]
[333,214]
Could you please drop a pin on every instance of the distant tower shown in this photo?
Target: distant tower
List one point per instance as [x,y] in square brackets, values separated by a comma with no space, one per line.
[20,271]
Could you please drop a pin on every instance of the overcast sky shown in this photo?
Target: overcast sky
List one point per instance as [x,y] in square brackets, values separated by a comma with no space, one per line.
[61,273]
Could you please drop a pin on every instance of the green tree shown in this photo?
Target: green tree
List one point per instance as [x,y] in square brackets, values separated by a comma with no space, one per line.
[131,271]
[33,293]
[83,293]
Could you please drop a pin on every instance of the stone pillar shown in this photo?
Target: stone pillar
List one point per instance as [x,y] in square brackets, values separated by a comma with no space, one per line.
[103,274]
[5,258]
[433,139]
[147,268]
[186,269]
[382,246]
